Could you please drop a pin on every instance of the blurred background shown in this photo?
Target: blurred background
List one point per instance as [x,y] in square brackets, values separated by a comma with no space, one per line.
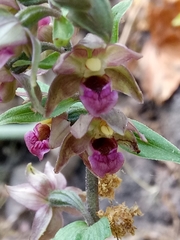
[150,27]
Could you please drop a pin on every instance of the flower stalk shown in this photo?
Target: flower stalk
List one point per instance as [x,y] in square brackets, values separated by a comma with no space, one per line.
[92,196]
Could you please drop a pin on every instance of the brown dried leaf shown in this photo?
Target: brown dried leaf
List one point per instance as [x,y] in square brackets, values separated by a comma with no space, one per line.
[160,70]
[160,15]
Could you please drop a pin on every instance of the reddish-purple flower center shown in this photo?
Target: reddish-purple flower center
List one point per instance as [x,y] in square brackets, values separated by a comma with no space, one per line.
[44,132]
[104,145]
[96,83]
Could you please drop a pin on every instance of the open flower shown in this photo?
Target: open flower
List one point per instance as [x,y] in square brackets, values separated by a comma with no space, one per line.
[38,141]
[34,196]
[96,141]
[97,72]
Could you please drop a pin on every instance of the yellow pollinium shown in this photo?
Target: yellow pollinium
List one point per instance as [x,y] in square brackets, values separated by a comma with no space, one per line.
[93,64]
[47,121]
[106,130]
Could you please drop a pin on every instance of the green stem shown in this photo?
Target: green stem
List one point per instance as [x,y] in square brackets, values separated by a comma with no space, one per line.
[92,196]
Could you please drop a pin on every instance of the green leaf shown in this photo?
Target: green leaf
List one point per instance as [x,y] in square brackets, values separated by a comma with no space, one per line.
[156,147]
[49,61]
[43,86]
[46,63]
[31,15]
[75,111]
[118,11]
[62,31]
[80,231]
[97,19]
[32,2]
[73,4]
[20,63]
[66,198]
[24,113]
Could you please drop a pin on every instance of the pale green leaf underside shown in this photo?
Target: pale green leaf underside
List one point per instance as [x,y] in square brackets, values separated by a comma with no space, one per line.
[80,231]
[157,147]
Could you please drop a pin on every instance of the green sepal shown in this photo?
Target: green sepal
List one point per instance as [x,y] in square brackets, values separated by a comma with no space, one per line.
[24,113]
[62,31]
[156,147]
[79,230]
[118,11]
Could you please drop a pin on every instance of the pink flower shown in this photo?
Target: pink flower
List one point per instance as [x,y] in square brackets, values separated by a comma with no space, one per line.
[96,141]
[34,196]
[44,32]
[95,70]
[37,141]
[47,135]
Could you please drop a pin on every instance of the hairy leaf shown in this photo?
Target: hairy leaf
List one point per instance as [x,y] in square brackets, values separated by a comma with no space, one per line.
[156,147]
[80,231]
[24,113]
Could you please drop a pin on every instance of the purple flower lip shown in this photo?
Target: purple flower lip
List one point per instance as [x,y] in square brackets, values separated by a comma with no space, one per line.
[104,145]
[105,158]
[37,141]
[97,96]
[96,83]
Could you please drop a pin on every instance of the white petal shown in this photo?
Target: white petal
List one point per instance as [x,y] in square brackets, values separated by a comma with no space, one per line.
[41,221]
[26,195]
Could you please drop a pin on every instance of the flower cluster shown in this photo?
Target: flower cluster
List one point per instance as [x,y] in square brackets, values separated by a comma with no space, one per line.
[92,73]
[96,72]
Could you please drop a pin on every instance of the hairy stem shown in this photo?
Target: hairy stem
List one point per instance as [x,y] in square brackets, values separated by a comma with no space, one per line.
[92,196]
